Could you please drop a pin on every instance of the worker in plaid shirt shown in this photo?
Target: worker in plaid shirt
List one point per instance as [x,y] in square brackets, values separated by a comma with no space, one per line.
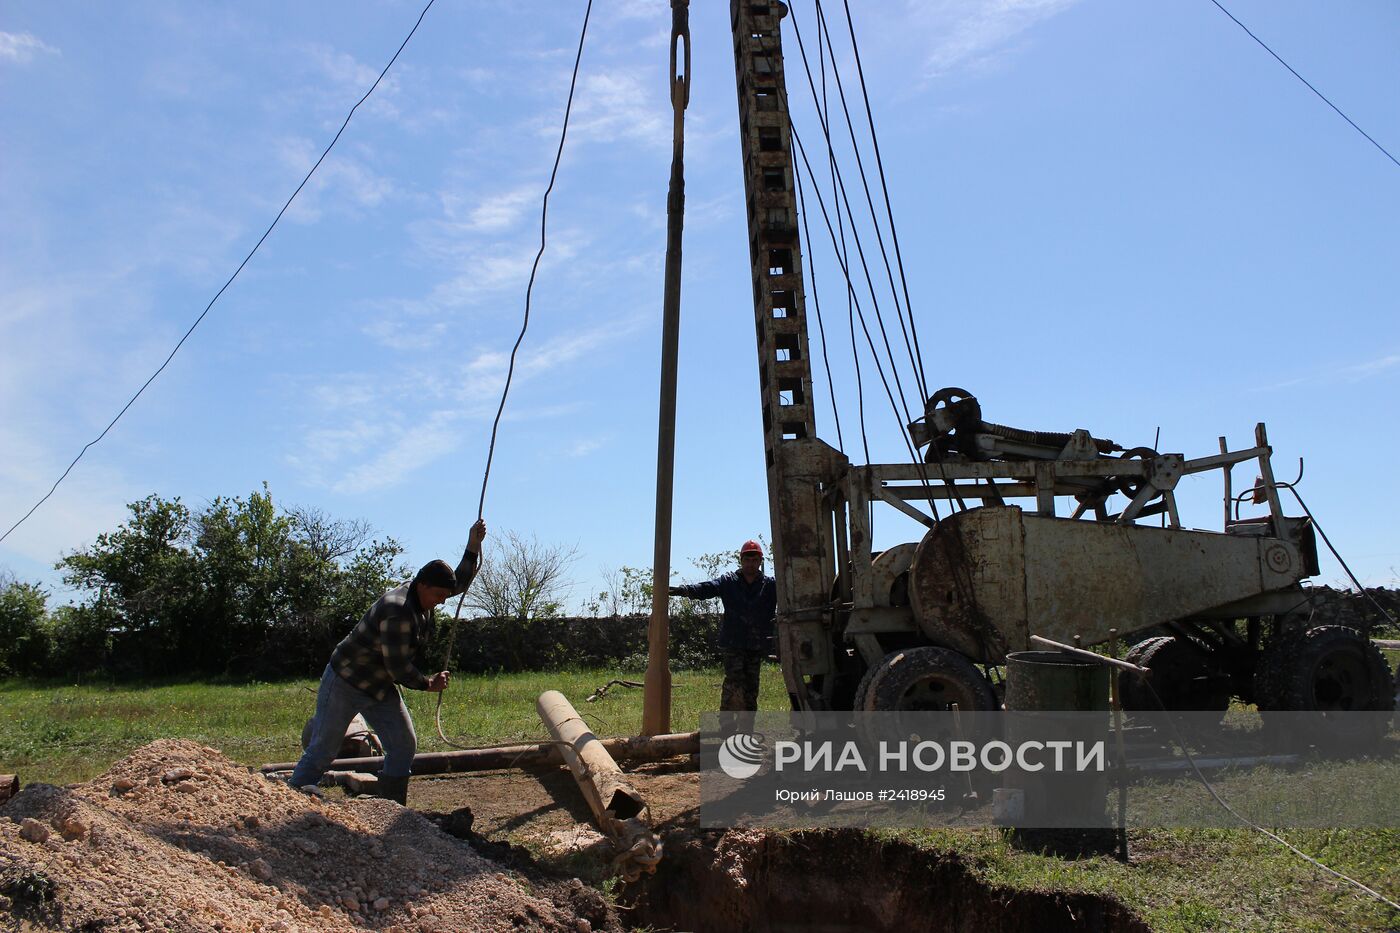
[377,654]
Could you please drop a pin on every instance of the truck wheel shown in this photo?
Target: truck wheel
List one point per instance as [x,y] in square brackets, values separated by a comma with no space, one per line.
[925,678]
[1328,669]
[1182,674]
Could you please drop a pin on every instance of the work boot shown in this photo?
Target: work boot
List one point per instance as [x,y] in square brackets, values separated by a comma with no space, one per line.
[393,788]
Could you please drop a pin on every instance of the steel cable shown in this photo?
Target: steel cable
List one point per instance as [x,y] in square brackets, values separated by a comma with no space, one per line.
[817,305]
[840,186]
[524,326]
[884,187]
[855,235]
[845,269]
[1181,743]
[915,362]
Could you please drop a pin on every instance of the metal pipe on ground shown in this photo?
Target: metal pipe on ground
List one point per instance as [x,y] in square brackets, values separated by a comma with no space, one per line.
[617,806]
[541,755]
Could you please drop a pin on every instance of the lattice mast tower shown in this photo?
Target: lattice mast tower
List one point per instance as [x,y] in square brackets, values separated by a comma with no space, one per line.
[800,467]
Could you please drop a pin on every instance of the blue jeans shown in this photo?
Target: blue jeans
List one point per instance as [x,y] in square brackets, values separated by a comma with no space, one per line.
[336,704]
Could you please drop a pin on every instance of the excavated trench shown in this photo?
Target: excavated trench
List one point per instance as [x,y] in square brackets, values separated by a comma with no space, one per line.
[840,880]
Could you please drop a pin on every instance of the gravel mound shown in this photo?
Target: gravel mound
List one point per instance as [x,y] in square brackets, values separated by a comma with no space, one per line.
[179,837]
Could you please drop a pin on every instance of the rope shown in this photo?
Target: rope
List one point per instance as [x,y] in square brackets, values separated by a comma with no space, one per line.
[524,326]
[266,234]
[529,289]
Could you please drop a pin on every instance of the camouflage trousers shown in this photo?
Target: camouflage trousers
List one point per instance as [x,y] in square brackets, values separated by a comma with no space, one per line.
[740,690]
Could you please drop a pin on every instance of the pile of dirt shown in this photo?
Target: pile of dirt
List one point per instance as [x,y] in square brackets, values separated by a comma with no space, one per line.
[179,837]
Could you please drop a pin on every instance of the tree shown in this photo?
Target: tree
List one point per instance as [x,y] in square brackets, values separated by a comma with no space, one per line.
[523,580]
[628,593]
[239,588]
[23,641]
[145,578]
[329,539]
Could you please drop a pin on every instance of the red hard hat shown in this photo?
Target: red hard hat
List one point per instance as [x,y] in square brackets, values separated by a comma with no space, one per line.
[751,547]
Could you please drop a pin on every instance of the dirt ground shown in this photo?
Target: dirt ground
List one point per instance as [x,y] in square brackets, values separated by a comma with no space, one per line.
[545,811]
[179,837]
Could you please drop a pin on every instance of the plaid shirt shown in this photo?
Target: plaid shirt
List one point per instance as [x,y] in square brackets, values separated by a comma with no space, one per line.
[380,650]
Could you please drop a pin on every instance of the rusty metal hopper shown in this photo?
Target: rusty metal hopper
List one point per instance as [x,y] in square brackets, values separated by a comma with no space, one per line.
[985,580]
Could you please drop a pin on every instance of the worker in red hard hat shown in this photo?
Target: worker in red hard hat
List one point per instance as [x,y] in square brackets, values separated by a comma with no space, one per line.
[746,631]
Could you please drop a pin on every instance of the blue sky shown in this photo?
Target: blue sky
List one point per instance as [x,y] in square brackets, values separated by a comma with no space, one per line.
[1118,216]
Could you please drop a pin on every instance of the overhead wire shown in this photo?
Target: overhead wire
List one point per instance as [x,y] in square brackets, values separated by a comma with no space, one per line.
[1305,81]
[524,326]
[229,282]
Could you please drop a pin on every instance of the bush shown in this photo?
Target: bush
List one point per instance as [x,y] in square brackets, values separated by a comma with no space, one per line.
[506,645]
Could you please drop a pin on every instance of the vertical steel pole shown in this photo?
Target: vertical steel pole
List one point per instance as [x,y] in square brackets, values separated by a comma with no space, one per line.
[656,709]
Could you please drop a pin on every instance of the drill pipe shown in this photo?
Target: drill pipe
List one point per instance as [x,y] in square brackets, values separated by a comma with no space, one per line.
[619,810]
[543,755]
[599,777]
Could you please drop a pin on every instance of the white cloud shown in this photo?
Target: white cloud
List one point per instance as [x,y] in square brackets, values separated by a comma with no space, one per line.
[1372,367]
[618,105]
[21,48]
[372,434]
[584,447]
[1351,372]
[340,179]
[492,213]
[403,451]
[973,34]
[351,78]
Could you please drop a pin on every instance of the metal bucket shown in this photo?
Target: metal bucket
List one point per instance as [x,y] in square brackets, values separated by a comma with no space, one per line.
[1046,683]
[1054,681]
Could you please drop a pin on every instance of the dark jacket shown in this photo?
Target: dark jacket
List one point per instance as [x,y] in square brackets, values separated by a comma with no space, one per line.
[749,609]
[380,650]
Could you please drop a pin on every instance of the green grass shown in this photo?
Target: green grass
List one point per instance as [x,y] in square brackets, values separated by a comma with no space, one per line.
[1184,881]
[61,733]
[1181,881]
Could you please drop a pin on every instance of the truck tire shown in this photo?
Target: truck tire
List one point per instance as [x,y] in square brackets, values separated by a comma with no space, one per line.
[1182,674]
[1328,669]
[925,678]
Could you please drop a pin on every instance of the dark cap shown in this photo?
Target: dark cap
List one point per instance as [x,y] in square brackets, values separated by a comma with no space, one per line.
[436,573]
